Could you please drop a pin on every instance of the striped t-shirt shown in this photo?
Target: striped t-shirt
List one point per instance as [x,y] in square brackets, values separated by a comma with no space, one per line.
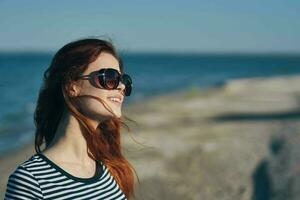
[40,178]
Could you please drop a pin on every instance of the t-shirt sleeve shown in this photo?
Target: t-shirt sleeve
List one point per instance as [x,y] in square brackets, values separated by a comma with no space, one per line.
[22,185]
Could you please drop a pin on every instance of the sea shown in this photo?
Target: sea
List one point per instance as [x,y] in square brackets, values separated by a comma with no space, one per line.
[152,74]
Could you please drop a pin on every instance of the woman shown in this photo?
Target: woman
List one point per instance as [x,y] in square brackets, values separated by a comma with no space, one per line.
[78,120]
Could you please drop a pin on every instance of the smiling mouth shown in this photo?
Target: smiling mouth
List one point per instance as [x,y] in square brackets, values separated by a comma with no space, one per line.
[116,101]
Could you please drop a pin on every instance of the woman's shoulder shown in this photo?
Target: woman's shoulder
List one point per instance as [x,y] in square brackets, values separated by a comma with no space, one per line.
[33,160]
[23,170]
[22,182]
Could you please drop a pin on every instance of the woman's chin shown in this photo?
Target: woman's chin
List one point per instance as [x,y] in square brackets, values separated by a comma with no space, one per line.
[118,114]
[117,110]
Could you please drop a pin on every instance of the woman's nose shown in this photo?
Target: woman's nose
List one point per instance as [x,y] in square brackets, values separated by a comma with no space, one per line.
[121,87]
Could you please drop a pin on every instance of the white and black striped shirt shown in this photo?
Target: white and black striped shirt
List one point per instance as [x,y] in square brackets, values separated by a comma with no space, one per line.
[40,178]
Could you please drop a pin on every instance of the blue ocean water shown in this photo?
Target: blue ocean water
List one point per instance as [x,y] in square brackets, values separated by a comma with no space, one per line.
[152,74]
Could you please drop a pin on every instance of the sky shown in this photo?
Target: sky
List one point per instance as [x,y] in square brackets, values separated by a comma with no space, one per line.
[262,26]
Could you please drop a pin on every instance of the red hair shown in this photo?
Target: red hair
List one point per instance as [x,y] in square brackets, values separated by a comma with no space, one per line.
[53,100]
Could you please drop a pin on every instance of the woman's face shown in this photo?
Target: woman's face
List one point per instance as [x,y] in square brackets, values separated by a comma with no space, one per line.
[91,107]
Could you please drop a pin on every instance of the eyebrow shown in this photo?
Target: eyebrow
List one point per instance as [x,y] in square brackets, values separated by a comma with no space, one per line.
[104,68]
[115,69]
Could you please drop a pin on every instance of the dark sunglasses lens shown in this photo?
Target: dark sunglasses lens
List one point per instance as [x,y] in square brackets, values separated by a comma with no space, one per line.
[128,91]
[111,78]
[127,81]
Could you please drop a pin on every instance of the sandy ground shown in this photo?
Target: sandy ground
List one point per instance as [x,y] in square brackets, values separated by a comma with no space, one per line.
[201,143]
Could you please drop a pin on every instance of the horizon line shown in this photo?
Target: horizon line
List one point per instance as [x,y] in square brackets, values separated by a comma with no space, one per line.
[126,51]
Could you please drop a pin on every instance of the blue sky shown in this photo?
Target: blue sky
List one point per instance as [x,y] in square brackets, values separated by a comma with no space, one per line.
[177,26]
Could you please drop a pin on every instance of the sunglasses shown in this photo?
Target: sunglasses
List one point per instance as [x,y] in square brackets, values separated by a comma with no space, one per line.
[109,78]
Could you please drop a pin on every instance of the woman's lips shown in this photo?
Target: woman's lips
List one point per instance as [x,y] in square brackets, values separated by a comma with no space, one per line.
[115,101]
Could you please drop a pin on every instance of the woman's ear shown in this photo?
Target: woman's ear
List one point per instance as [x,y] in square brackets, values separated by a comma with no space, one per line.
[72,89]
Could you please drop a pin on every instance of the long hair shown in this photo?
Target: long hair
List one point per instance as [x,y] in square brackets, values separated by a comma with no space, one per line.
[53,100]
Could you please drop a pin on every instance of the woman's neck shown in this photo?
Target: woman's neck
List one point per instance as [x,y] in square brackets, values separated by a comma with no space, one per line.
[69,143]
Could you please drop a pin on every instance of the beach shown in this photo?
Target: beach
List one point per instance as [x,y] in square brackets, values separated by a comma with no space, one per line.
[201,143]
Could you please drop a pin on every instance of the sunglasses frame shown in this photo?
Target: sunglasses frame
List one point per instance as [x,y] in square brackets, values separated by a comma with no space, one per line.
[91,78]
